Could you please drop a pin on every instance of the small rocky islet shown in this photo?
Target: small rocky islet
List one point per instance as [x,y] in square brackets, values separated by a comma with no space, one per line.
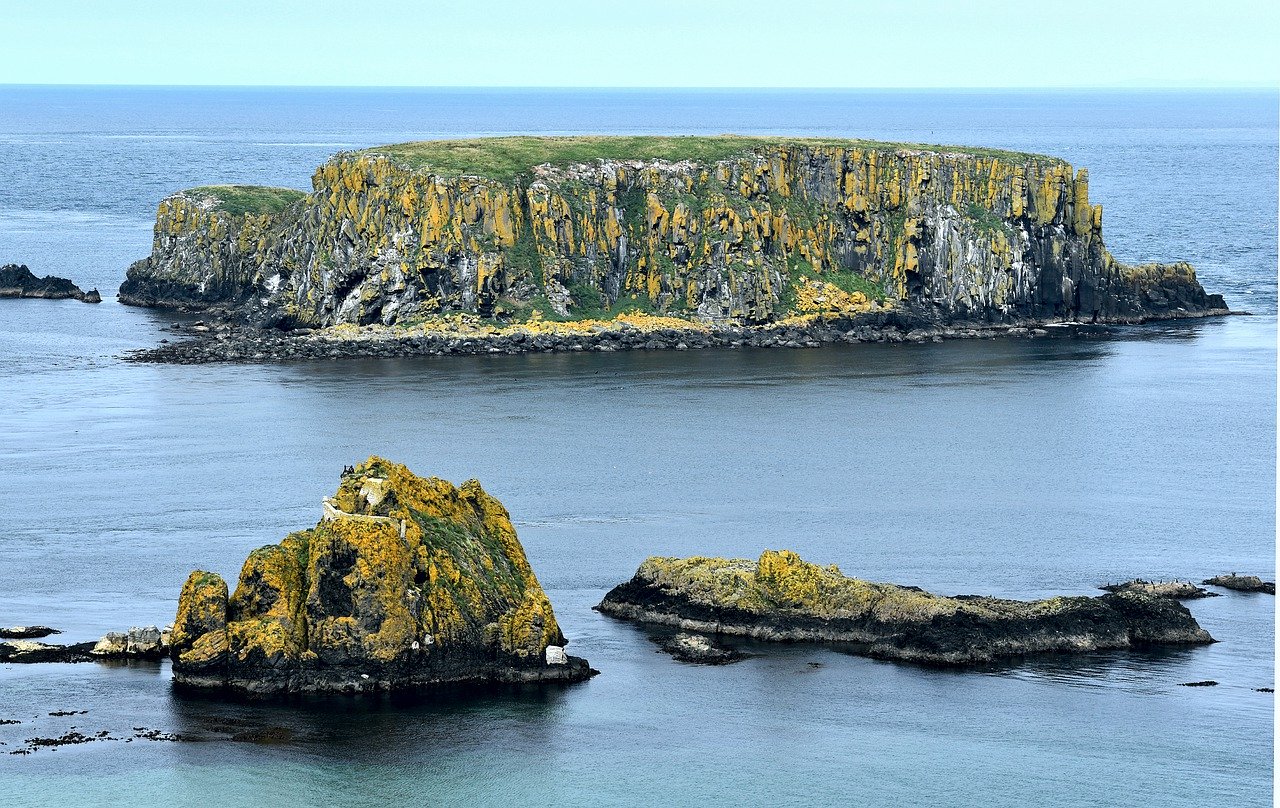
[781,597]
[519,244]
[16,280]
[405,583]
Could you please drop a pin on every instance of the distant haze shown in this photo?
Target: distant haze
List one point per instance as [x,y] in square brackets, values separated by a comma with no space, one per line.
[655,43]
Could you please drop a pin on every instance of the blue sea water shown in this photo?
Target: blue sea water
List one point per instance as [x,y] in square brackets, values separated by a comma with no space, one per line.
[1007,467]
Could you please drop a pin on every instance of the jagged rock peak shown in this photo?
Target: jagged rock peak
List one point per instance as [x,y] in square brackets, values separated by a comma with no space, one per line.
[405,582]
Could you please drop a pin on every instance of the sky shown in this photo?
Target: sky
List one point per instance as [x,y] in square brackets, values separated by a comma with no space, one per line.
[644,43]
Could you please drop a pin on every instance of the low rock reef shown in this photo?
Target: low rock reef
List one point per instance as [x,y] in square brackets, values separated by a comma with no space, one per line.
[1242,583]
[782,597]
[1177,590]
[405,583]
[149,643]
[18,281]
[715,233]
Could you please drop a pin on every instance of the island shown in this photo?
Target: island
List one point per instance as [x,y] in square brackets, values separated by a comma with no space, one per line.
[781,597]
[604,243]
[405,583]
[16,280]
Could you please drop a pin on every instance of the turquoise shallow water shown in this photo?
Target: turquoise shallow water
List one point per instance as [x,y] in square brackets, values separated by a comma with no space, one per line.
[1005,467]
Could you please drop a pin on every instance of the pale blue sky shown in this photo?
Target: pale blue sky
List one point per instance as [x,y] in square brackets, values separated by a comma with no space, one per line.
[647,43]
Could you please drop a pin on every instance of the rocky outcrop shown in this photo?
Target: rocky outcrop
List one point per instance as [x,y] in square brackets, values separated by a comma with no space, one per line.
[697,649]
[1177,590]
[35,651]
[136,643]
[26,632]
[406,582]
[709,229]
[1242,583]
[782,597]
[18,281]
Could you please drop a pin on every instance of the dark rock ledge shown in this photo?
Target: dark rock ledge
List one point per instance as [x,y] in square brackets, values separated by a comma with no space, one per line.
[1242,583]
[780,597]
[225,342]
[18,281]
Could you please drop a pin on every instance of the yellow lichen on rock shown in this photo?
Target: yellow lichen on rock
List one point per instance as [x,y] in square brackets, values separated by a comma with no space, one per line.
[403,573]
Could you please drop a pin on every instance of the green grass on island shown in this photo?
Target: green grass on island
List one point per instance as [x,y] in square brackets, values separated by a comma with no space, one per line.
[506,158]
[241,199]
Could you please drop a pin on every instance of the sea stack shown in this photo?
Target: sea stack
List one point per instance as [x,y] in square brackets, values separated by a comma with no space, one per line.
[782,597]
[405,583]
[712,230]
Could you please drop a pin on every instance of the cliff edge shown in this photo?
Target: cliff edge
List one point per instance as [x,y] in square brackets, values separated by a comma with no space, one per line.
[406,582]
[782,597]
[721,230]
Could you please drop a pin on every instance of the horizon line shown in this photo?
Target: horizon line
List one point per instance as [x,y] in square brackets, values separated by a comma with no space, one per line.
[1272,87]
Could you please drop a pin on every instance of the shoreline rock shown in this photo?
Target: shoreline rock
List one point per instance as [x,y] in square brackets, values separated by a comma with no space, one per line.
[781,597]
[1242,583]
[31,651]
[230,343]
[136,643]
[18,281]
[405,583]
[1177,590]
[26,632]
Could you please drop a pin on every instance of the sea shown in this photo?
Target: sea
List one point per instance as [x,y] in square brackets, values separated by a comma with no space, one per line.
[1011,467]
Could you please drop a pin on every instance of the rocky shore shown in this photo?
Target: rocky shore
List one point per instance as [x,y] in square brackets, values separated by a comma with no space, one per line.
[781,597]
[18,281]
[225,342]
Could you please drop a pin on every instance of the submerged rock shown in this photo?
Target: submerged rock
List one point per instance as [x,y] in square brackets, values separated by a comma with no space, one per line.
[18,281]
[1177,590]
[782,597]
[406,582]
[1242,583]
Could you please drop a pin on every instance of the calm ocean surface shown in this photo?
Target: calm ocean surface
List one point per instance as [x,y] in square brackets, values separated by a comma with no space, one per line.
[1014,468]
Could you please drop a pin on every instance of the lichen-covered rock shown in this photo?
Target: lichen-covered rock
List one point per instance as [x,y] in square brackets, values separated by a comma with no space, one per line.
[782,597]
[405,582]
[716,229]
[18,281]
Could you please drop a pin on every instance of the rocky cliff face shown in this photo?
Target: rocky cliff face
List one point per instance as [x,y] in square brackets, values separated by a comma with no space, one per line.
[406,582]
[782,597]
[718,229]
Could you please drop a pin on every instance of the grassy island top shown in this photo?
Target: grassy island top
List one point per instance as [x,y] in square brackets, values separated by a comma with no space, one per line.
[505,158]
[241,199]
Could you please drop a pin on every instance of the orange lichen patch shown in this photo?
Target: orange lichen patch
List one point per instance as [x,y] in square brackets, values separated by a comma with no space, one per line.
[200,627]
[814,296]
